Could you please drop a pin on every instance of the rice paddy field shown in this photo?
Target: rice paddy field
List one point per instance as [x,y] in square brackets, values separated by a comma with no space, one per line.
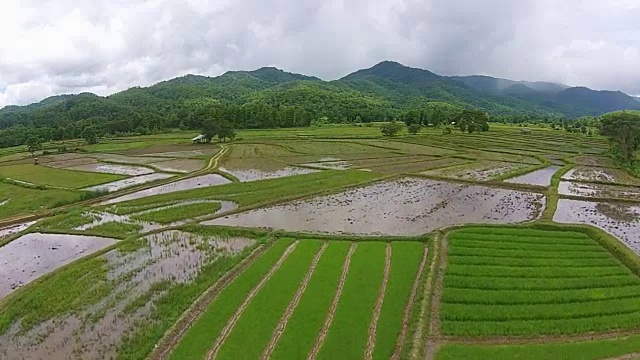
[329,242]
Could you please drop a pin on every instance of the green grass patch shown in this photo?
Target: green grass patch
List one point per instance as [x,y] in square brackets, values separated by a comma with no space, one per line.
[347,336]
[116,229]
[405,260]
[42,175]
[253,330]
[583,350]
[38,200]
[184,212]
[306,322]
[202,335]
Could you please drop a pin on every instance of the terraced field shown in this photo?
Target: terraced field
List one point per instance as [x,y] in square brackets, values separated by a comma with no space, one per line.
[311,298]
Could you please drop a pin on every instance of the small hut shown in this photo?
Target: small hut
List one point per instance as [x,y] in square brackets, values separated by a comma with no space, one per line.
[199,139]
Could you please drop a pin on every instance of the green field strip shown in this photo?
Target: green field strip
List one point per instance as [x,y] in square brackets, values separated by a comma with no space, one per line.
[470,312]
[405,260]
[530,254]
[302,329]
[521,232]
[582,350]
[549,272]
[456,236]
[487,283]
[598,323]
[474,244]
[520,297]
[531,262]
[347,336]
[254,328]
[202,335]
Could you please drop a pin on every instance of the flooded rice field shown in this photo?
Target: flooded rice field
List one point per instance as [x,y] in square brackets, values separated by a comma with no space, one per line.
[124,159]
[620,220]
[180,185]
[129,182]
[33,255]
[405,207]
[481,171]
[600,174]
[598,190]
[14,229]
[540,177]
[179,166]
[331,164]
[113,169]
[245,175]
[138,278]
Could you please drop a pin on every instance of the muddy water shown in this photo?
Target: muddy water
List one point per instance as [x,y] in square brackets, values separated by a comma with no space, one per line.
[180,166]
[170,257]
[598,190]
[129,182]
[402,207]
[481,171]
[14,229]
[540,177]
[114,169]
[246,175]
[331,165]
[620,220]
[186,184]
[33,255]
[585,173]
[141,160]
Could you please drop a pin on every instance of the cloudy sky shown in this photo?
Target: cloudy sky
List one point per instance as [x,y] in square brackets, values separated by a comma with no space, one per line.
[51,47]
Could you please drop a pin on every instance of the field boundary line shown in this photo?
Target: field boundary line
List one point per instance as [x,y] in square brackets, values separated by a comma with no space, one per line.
[279,330]
[373,326]
[409,307]
[172,337]
[224,334]
[334,304]
[434,323]
[630,356]
[416,349]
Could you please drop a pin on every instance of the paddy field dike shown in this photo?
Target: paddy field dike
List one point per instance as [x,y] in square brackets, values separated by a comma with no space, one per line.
[328,242]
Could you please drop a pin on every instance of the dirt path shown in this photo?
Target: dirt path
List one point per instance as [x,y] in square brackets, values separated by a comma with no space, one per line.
[277,333]
[373,326]
[173,336]
[632,356]
[409,308]
[334,304]
[234,319]
[432,347]
[416,348]
[434,323]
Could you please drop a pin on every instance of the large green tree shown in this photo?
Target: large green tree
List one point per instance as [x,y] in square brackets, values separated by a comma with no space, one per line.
[472,120]
[623,131]
[34,143]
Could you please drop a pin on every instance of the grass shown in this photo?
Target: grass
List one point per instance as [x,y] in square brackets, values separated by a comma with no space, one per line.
[42,175]
[523,282]
[583,350]
[307,320]
[202,335]
[253,330]
[405,260]
[38,200]
[116,229]
[183,212]
[347,336]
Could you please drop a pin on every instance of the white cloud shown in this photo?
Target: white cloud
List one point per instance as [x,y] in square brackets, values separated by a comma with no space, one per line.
[58,46]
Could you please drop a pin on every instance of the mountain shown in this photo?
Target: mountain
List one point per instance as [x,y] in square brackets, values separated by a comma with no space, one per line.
[636,97]
[503,86]
[270,97]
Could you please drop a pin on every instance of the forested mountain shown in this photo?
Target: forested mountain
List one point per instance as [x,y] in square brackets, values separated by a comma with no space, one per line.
[269,97]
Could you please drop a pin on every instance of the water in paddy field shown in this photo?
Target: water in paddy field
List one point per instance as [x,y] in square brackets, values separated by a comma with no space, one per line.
[113,169]
[540,177]
[402,207]
[14,229]
[180,185]
[620,220]
[598,190]
[171,257]
[129,182]
[33,255]
[246,175]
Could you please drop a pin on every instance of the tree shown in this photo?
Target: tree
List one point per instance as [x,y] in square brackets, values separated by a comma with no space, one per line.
[210,129]
[226,132]
[623,130]
[34,143]
[391,129]
[89,135]
[472,121]
[414,128]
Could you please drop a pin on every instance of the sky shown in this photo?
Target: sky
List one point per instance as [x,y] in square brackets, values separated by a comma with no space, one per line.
[51,47]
